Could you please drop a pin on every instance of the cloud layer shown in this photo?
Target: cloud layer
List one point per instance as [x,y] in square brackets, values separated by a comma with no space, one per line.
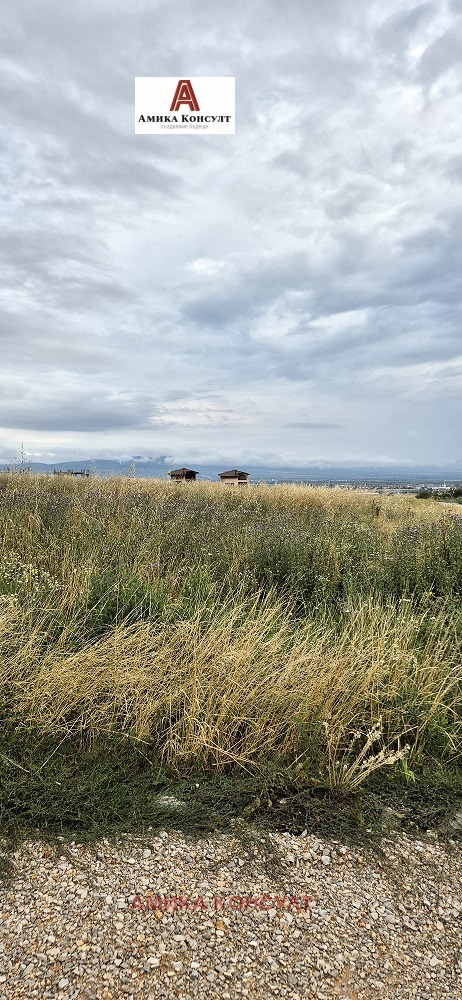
[291,292]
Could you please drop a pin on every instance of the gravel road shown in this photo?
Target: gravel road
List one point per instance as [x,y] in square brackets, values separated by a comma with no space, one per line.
[107,922]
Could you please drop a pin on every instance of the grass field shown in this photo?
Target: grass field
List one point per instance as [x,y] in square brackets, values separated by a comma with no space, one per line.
[310,633]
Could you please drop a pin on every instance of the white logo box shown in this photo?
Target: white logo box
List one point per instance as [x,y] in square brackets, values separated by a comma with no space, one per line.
[214,96]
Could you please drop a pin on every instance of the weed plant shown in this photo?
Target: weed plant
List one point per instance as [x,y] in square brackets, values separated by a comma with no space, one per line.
[213,627]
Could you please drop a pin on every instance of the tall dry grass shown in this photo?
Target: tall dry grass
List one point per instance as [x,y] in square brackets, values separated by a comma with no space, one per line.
[195,622]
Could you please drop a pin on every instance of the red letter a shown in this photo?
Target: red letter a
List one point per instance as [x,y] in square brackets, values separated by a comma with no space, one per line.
[184,94]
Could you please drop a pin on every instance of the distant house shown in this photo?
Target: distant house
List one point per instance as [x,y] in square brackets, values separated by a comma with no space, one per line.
[235,477]
[71,472]
[182,475]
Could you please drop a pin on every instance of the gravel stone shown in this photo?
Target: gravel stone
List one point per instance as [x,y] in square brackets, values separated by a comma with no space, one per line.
[382,922]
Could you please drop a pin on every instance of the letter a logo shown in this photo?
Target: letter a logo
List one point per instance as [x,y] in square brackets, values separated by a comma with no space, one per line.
[184,94]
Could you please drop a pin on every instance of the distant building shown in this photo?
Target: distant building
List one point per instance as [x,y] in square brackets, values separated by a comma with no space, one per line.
[182,475]
[235,477]
[71,472]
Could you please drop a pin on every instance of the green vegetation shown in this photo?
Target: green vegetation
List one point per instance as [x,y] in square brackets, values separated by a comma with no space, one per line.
[452,495]
[304,642]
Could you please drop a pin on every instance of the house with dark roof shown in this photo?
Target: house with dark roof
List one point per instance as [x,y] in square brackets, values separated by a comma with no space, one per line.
[183,475]
[235,477]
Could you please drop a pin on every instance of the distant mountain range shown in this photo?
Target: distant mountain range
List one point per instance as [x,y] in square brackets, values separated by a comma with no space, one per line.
[345,472]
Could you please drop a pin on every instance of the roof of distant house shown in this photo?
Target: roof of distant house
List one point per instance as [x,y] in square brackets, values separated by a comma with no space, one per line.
[181,472]
[234,472]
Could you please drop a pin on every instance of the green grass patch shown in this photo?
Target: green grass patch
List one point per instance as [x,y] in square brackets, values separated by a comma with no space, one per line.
[86,792]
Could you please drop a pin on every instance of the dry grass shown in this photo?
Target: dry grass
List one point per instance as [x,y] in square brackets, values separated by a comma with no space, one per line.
[226,671]
[243,687]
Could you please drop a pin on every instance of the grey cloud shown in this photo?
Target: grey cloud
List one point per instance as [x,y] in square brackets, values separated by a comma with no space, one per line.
[312,425]
[332,221]
[351,199]
[402,151]
[397,29]
[91,412]
[454,169]
[441,55]
[32,341]
[295,162]
[175,395]
[253,286]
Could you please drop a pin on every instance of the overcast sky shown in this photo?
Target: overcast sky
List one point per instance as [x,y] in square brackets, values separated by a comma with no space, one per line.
[286,294]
